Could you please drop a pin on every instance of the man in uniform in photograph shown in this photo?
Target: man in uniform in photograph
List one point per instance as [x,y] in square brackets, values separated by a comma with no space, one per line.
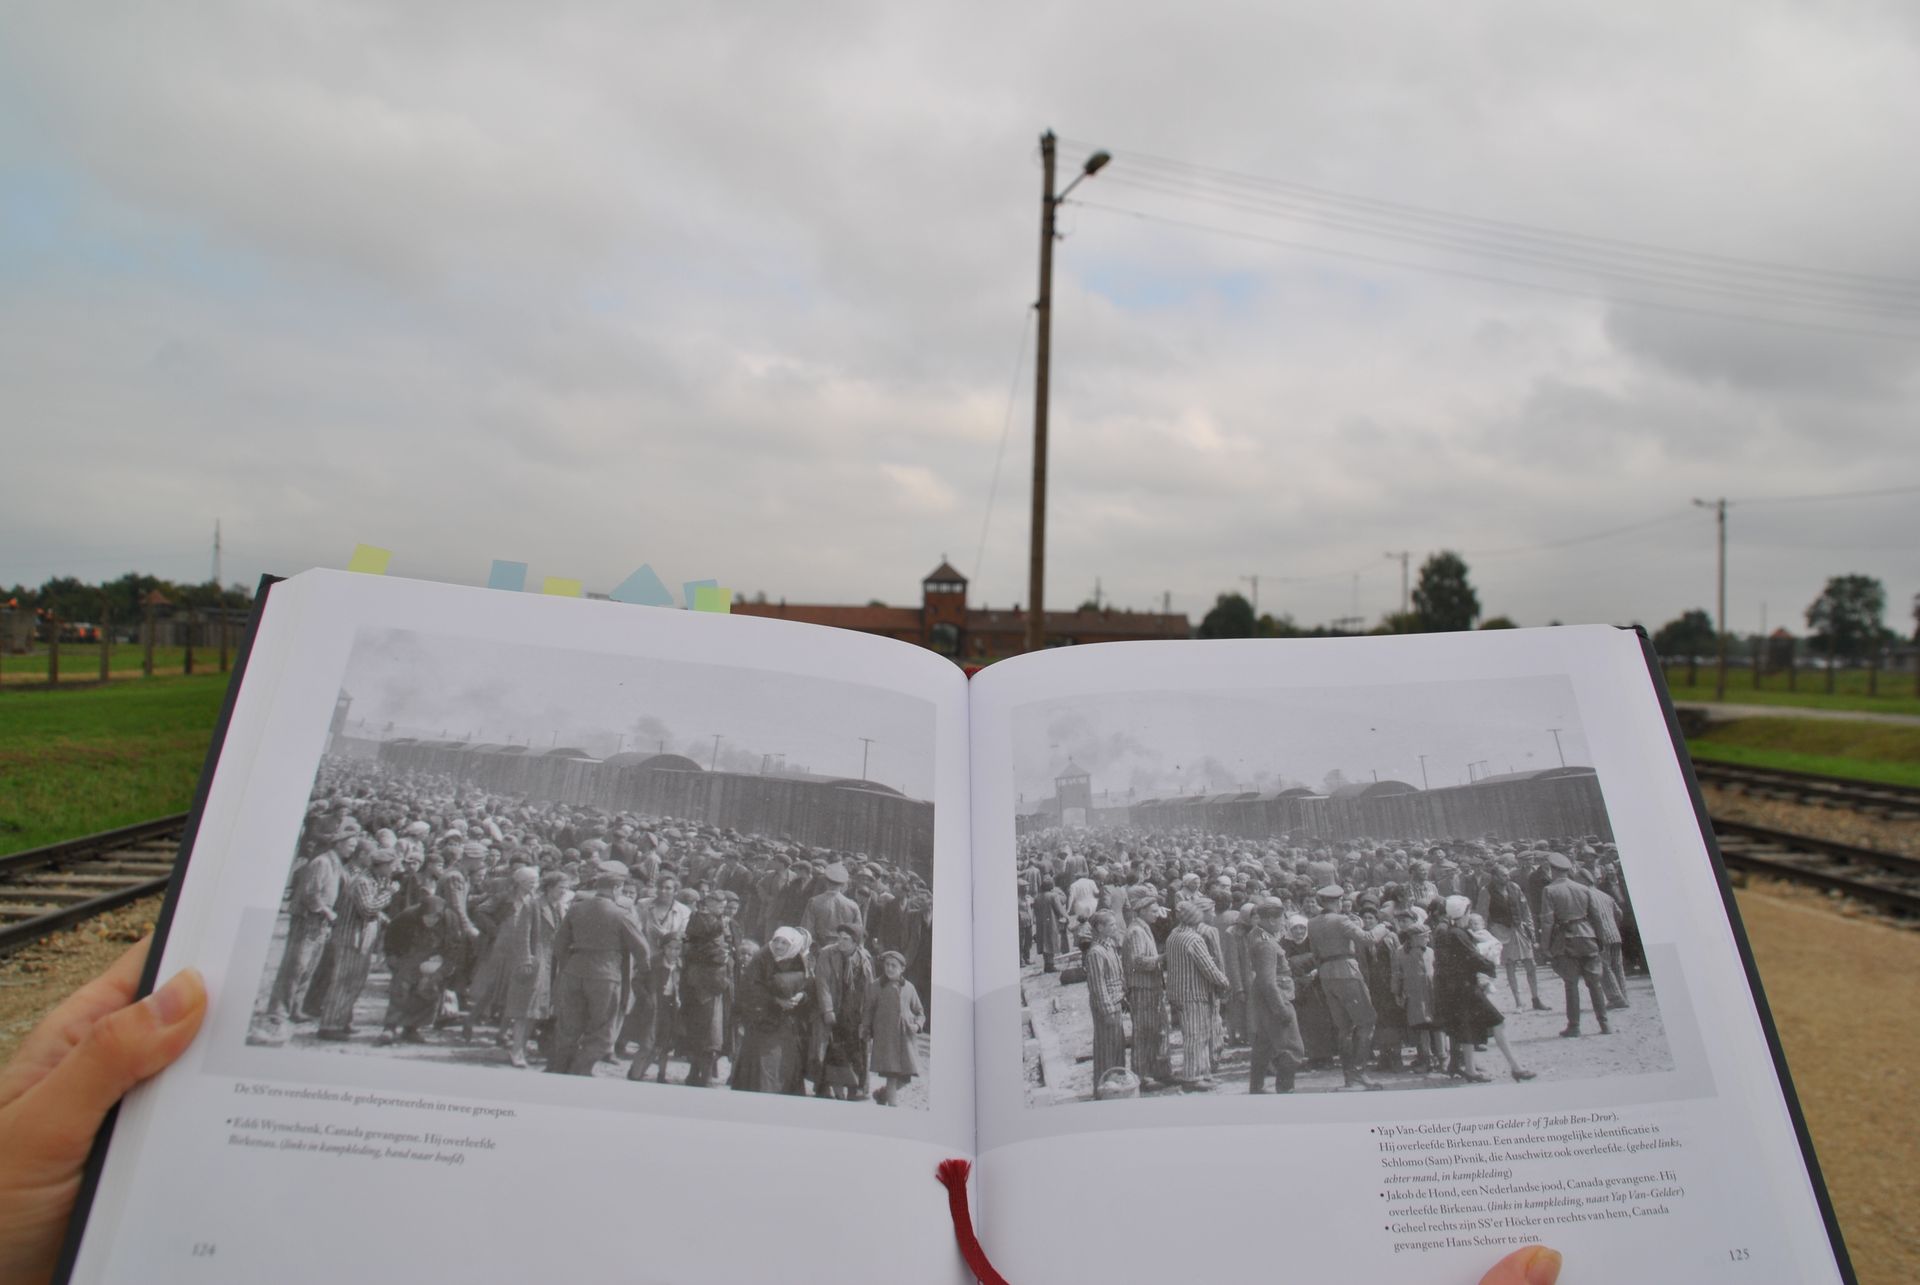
[597,944]
[1336,940]
[1106,996]
[1272,1026]
[1147,987]
[310,921]
[827,912]
[1567,915]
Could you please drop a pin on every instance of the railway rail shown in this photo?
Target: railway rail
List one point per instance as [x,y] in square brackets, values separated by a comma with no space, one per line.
[1885,879]
[1890,802]
[43,890]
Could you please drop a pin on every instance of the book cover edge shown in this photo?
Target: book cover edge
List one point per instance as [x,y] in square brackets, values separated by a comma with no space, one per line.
[1836,1242]
[97,1156]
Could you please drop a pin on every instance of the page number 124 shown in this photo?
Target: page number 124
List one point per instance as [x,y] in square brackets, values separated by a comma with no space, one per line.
[203,1249]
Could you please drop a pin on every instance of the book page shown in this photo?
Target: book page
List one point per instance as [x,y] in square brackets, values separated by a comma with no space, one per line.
[1384,956]
[554,936]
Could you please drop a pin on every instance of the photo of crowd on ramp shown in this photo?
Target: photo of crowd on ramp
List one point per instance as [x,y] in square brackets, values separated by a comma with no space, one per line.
[660,872]
[1359,889]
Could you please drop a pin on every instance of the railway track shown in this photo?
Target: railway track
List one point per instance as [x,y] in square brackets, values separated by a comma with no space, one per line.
[1889,802]
[1885,879]
[43,890]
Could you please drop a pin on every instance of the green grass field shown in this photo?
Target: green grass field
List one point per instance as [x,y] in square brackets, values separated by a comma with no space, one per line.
[80,662]
[76,762]
[1896,695]
[1869,751]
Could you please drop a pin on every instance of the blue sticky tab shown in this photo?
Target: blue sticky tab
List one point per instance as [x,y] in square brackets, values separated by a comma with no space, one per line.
[692,589]
[511,576]
[643,589]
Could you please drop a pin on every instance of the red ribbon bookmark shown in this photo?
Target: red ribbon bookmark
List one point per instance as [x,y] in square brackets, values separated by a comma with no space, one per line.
[953,1174]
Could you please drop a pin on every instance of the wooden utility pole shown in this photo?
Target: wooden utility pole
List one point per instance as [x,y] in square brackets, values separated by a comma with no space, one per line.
[1042,357]
[1406,591]
[1719,508]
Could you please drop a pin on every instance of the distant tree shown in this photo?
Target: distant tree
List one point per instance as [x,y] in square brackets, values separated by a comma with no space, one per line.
[1498,622]
[1281,626]
[1444,600]
[1088,605]
[1691,634]
[875,602]
[1333,780]
[1398,622]
[1231,617]
[1845,618]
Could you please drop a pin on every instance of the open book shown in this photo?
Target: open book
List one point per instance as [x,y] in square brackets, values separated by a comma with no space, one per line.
[551,938]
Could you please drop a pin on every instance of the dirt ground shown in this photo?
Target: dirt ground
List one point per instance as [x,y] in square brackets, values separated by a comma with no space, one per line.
[1852,1060]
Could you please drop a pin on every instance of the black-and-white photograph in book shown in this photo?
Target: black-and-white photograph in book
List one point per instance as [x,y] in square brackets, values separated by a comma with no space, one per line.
[536,859]
[1373,888]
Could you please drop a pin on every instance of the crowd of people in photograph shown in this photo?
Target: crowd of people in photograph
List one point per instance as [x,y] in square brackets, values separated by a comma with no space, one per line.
[1377,956]
[573,936]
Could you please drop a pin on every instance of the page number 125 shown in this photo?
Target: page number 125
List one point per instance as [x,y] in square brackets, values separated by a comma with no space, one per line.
[1738,1255]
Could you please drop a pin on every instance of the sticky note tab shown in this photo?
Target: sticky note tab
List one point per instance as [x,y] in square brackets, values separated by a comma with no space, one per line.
[710,598]
[561,587]
[692,587]
[511,576]
[643,588]
[369,559]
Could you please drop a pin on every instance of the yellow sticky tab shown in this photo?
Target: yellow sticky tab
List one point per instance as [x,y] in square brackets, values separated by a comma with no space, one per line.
[561,587]
[369,559]
[708,598]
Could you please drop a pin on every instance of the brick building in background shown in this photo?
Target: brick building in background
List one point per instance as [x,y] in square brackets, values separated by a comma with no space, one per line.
[943,622]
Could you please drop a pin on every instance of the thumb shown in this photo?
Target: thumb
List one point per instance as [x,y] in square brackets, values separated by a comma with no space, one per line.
[62,1113]
[1534,1265]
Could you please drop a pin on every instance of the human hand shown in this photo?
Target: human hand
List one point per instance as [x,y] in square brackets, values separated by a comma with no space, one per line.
[1534,1265]
[66,1075]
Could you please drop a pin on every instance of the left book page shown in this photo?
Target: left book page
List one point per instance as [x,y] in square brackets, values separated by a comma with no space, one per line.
[556,936]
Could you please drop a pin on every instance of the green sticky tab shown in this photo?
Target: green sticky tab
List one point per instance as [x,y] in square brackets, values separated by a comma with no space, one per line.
[370,559]
[709,598]
[561,587]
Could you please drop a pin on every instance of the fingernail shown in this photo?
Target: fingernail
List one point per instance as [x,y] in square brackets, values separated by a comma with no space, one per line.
[178,997]
[1544,1267]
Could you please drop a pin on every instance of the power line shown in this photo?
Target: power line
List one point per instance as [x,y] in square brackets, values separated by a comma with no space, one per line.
[1490,278]
[1006,428]
[1562,259]
[1831,495]
[1146,161]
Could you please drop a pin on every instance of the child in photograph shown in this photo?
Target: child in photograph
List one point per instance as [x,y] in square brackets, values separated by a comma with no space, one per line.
[894,1018]
[1413,988]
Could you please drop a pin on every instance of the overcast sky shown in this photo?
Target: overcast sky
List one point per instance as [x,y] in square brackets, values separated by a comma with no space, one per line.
[737,290]
[1158,743]
[427,685]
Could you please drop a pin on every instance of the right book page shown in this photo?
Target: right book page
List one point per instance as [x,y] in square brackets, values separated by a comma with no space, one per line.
[1365,955]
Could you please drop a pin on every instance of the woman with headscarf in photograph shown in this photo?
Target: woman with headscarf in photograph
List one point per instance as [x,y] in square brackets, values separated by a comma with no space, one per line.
[776,1005]
[1460,1002]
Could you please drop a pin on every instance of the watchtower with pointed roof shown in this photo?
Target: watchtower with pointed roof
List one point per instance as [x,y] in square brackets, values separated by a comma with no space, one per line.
[943,609]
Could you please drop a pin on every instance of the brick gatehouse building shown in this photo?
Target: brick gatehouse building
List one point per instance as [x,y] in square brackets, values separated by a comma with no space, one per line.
[943,621]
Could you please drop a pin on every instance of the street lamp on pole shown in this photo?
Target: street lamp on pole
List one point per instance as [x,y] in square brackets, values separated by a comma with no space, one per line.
[1042,356]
